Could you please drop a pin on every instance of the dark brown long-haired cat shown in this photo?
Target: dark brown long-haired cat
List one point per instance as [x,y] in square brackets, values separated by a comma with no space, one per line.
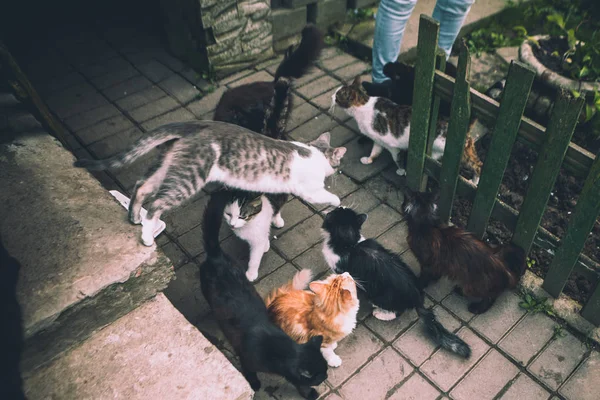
[253,104]
[388,125]
[481,272]
[198,152]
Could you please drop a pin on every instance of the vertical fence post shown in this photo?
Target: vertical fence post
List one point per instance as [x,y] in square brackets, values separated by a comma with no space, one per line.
[440,63]
[460,116]
[591,310]
[558,136]
[581,223]
[422,98]
[514,99]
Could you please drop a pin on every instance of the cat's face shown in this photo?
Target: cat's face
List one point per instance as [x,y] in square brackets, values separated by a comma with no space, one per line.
[420,204]
[333,154]
[343,225]
[338,291]
[309,367]
[241,209]
[352,95]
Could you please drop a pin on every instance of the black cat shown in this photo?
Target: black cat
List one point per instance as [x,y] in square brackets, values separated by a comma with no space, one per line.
[242,315]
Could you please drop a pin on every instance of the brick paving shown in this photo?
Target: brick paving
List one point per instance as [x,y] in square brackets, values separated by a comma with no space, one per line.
[111,87]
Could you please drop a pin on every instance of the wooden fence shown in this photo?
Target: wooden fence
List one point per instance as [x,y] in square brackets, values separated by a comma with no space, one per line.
[552,143]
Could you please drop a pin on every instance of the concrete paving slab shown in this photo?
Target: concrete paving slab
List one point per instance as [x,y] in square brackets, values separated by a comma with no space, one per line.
[163,357]
[528,337]
[416,387]
[525,388]
[583,385]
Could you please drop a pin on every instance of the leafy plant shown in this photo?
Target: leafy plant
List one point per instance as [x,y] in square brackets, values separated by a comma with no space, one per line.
[488,39]
[559,331]
[536,305]
[360,14]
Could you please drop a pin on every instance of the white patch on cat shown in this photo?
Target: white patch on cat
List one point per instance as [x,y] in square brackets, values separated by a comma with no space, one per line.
[437,151]
[330,257]
[278,221]
[362,239]
[254,231]
[383,315]
[347,322]
[333,360]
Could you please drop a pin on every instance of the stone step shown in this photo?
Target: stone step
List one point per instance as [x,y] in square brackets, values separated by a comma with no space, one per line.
[83,265]
[151,353]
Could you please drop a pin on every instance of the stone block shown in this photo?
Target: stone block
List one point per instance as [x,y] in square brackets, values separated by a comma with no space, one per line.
[361,201]
[153,109]
[186,217]
[104,68]
[325,100]
[313,73]
[354,350]
[238,249]
[440,289]
[75,100]
[155,71]
[380,220]
[554,365]
[292,213]
[349,72]
[326,13]
[386,192]
[99,272]
[178,115]
[207,103]
[495,370]
[133,85]
[459,306]
[318,86]
[378,377]
[282,45]
[494,323]
[275,279]
[163,357]
[104,129]
[300,238]
[87,118]
[446,368]
[288,22]
[338,61]
[114,77]
[185,294]
[352,166]
[45,88]
[141,98]
[528,337]
[260,76]
[297,3]
[313,260]
[395,238]
[313,128]
[116,143]
[525,388]
[415,388]
[179,88]
[390,330]
[301,114]
[174,252]
[583,385]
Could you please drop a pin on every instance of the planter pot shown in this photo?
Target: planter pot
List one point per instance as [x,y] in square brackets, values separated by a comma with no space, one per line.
[552,78]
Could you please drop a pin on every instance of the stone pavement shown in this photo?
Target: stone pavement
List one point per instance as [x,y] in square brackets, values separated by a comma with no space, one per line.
[111,87]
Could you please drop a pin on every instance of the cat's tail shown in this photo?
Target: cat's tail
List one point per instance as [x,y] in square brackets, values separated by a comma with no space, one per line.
[300,281]
[144,145]
[211,223]
[513,258]
[278,111]
[440,335]
[296,62]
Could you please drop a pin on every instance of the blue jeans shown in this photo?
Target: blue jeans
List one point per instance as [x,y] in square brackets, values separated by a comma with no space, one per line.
[392,16]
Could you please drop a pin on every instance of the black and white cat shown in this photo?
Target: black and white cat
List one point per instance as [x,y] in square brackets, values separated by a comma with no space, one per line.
[388,282]
[195,153]
[242,315]
[250,216]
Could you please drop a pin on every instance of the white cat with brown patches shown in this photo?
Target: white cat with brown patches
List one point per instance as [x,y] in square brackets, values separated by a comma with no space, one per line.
[388,125]
[197,152]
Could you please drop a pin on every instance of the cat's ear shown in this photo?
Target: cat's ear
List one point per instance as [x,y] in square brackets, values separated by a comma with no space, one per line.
[339,152]
[317,287]
[346,295]
[362,218]
[322,141]
[356,81]
[316,341]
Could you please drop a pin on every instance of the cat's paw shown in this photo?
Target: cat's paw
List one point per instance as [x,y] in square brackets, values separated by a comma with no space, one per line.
[147,239]
[312,394]
[401,171]
[135,219]
[278,222]
[335,201]
[383,315]
[267,246]
[366,160]
[334,361]
[252,274]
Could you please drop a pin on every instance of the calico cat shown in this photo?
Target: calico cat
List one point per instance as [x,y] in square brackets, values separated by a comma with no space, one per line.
[11,333]
[242,315]
[481,272]
[253,105]
[388,282]
[198,152]
[250,215]
[388,125]
[328,309]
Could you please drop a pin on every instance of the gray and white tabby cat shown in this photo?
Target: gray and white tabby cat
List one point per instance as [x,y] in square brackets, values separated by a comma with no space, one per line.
[198,152]
[250,216]
[388,125]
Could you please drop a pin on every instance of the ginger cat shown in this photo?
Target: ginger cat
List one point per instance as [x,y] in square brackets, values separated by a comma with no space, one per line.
[328,309]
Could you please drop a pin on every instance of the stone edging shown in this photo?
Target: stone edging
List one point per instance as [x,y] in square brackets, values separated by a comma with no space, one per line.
[547,75]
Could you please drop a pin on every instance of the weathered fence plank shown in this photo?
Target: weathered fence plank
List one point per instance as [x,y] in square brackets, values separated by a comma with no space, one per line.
[578,160]
[422,98]
[591,310]
[514,99]
[458,127]
[558,136]
[581,223]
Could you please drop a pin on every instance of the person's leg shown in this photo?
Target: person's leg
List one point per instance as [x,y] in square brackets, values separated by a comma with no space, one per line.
[391,19]
[451,14]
